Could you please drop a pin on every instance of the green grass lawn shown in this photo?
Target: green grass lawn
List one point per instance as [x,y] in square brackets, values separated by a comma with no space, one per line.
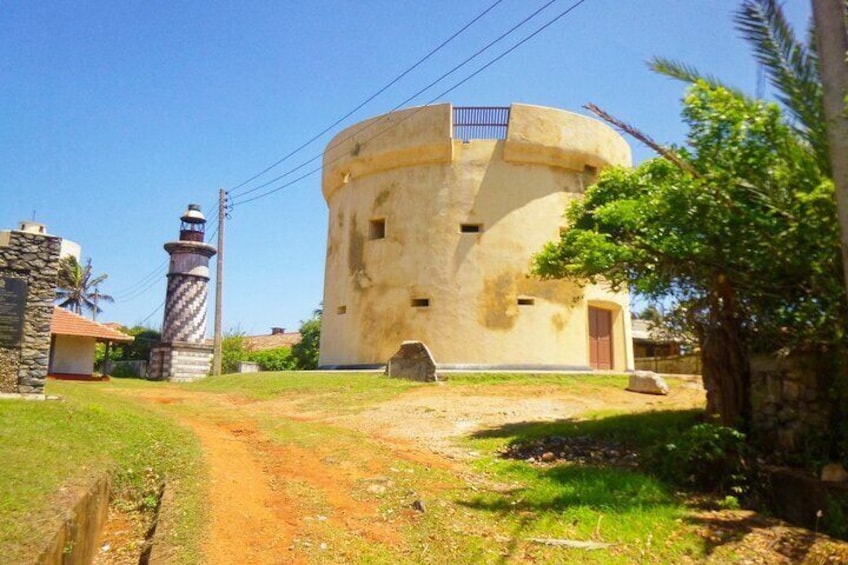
[53,446]
[489,518]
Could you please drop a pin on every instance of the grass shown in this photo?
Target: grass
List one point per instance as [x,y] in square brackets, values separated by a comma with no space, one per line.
[53,447]
[640,514]
[487,514]
[341,392]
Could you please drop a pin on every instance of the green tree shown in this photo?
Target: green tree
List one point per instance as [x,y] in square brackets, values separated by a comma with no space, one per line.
[791,65]
[233,351]
[651,314]
[796,69]
[738,228]
[305,353]
[77,288]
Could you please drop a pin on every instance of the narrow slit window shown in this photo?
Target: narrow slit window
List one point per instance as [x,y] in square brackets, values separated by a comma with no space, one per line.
[377,229]
[470,228]
[341,310]
[420,302]
[526,301]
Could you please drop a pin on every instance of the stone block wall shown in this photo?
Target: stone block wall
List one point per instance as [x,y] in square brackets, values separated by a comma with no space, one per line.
[33,258]
[789,400]
[179,362]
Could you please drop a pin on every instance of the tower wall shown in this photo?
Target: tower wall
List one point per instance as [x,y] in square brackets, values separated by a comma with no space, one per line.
[183,354]
[430,238]
[185,309]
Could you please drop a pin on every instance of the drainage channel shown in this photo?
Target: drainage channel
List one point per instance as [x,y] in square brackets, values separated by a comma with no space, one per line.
[98,529]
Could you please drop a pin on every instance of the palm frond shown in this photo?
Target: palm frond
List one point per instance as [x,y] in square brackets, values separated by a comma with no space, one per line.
[684,72]
[621,125]
[791,66]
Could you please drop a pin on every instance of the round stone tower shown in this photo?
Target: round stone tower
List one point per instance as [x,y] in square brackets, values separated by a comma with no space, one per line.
[183,354]
[434,216]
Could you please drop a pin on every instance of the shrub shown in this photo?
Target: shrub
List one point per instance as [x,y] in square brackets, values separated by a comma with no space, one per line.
[305,353]
[279,359]
[232,351]
[705,457]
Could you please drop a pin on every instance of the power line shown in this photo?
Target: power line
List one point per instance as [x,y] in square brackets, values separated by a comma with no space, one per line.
[414,112]
[139,292]
[403,103]
[130,289]
[141,323]
[391,83]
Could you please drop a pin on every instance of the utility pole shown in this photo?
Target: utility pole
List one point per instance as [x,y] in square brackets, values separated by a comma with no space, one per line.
[832,38]
[219,283]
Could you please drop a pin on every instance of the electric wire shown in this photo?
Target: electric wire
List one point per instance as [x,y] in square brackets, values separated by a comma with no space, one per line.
[414,112]
[143,290]
[141,323]
[421,91]
[123,294]
[391,83]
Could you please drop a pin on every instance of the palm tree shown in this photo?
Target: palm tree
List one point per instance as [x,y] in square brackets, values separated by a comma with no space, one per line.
[791,65]
[77,289]
[793,69]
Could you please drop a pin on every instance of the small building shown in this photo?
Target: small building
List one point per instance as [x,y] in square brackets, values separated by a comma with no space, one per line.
[650,341]
[278,337]
[72,343]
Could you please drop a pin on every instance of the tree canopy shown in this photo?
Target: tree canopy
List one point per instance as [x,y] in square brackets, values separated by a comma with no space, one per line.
[305,353]
[77,288]
[738,228]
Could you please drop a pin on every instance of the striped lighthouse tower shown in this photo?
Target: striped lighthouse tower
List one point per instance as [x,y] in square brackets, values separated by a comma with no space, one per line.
[183,354]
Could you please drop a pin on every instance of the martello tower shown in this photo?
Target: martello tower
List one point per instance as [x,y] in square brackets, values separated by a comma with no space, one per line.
[435,214]
[183,354]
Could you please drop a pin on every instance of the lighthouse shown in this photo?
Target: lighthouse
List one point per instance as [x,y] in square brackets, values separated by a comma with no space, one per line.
[183,354]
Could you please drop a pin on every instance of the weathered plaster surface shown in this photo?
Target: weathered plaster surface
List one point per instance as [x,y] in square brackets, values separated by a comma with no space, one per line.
[424,185]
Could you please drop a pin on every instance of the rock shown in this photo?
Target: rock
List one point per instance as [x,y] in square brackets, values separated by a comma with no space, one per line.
[547,457]
[647,382]
[419,506]
[834,473]
[414,362]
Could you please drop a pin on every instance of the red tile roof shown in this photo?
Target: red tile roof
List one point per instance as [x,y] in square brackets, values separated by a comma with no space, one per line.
[68,323]
[271,341]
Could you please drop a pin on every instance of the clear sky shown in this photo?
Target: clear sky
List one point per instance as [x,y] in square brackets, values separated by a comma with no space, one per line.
[115,115]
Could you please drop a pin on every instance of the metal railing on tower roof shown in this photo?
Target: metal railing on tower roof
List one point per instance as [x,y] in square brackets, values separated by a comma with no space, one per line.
[480,122]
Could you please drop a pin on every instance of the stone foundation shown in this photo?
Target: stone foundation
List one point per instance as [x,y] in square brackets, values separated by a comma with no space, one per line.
[789,402]
[179,362]
[29,264]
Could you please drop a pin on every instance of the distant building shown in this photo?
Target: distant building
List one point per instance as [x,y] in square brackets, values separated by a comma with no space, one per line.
[278,337]
[73,342]
[653,342]
[434,216]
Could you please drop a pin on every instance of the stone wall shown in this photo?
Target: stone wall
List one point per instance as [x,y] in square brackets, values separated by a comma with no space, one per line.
[789,403]
[33,258]
[179,362]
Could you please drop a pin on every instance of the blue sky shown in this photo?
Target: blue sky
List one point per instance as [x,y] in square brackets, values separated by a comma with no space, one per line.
[115,115]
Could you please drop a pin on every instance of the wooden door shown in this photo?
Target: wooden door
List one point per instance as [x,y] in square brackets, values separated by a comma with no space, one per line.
[600,338]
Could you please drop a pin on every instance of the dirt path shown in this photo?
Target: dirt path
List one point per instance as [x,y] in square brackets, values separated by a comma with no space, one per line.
[276,500]
[255,520]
